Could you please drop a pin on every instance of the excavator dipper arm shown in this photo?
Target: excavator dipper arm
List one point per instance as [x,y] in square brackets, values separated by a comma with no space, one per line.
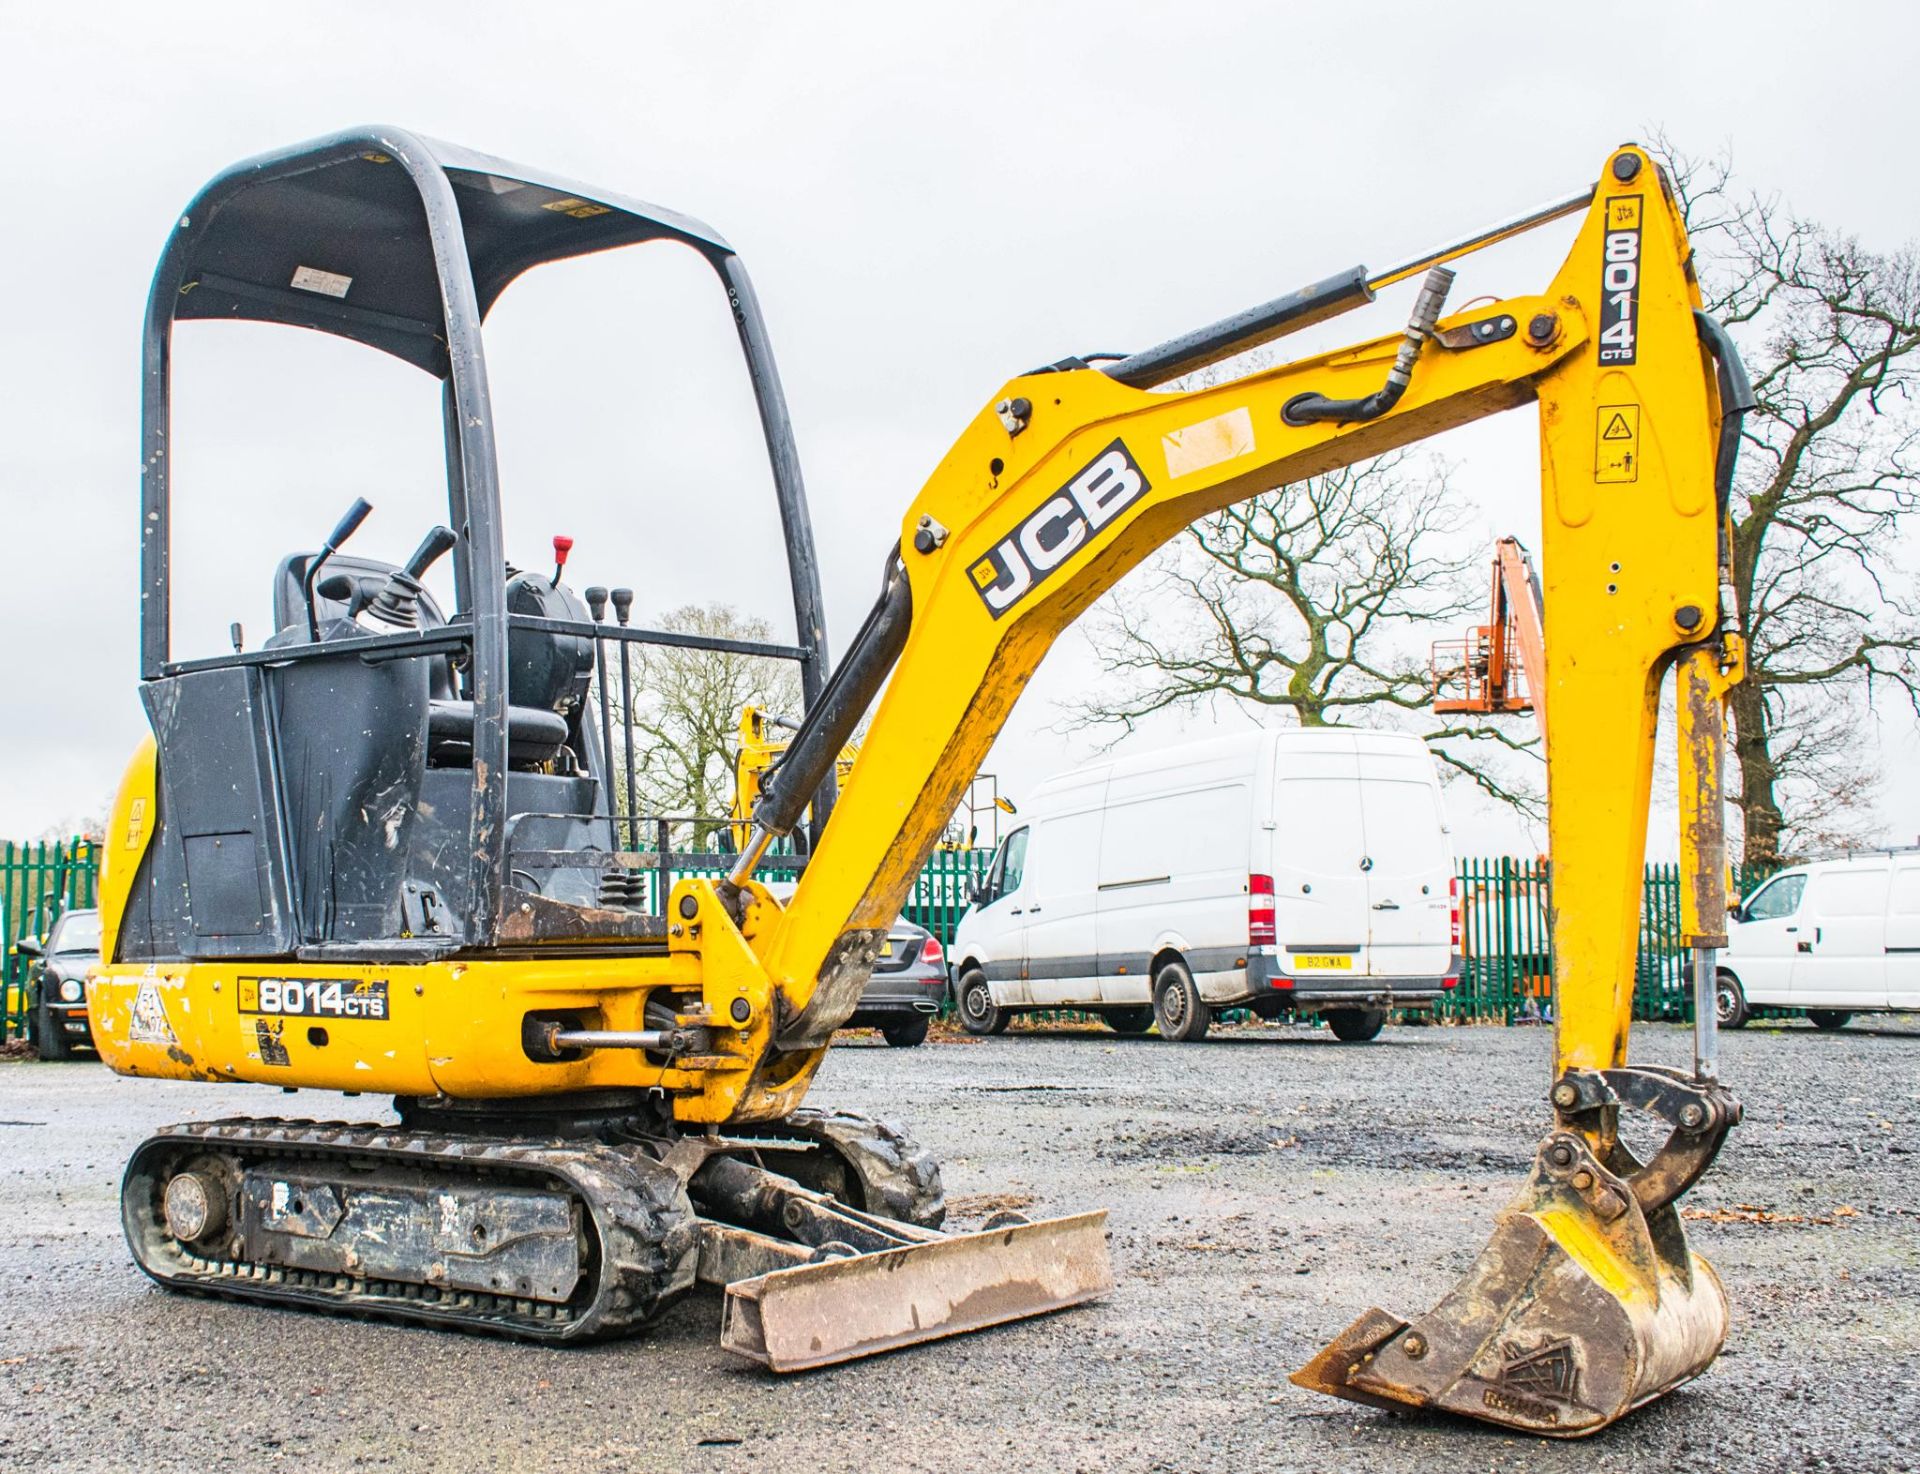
[1588,1302]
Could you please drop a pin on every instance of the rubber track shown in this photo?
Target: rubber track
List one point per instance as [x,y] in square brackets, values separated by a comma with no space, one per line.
[645,1251]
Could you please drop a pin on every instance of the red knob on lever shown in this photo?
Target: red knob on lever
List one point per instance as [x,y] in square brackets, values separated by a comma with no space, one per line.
[562,545]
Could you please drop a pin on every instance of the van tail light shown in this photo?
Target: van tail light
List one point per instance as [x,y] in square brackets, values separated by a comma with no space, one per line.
[1261,931]
[1453,912]
[932,954]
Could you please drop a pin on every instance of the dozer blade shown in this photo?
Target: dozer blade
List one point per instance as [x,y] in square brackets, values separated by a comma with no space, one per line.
[840,1309]
[1582,1307]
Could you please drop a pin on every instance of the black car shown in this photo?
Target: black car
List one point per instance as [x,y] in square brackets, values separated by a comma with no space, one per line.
[908,985]
[57,983]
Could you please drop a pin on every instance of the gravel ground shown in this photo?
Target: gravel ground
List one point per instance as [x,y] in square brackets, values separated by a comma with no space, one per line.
[1265,1187]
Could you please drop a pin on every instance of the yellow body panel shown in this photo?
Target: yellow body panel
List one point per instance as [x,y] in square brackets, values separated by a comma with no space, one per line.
[1644,504]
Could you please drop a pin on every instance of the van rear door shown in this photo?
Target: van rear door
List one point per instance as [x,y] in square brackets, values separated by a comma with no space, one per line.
[1408,866]
[1319,888]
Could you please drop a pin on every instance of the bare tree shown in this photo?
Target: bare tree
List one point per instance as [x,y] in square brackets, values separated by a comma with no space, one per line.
[686,708]
[1829,331]
[1305,599]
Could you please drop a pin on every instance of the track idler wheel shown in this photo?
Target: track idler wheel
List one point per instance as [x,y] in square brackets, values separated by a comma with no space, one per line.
[1587,1302]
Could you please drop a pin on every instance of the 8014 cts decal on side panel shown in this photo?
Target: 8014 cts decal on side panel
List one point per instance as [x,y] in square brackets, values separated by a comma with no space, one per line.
[359,998]
[1020,562]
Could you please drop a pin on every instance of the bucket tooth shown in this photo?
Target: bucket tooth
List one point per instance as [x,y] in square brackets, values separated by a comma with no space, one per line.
[838,1309]
[1582,1307]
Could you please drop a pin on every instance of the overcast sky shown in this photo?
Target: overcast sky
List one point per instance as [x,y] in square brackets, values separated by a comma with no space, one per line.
[930,199]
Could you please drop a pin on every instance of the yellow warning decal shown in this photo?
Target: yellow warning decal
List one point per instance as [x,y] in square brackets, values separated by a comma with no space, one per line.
[1616,445]
[578,209]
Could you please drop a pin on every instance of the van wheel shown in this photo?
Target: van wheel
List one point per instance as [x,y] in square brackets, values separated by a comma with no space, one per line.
[1129,1020]
[1356,1025]
[1730,1002]
[907,1033]
[1827,1018]
[979,1014]
[1178,1008]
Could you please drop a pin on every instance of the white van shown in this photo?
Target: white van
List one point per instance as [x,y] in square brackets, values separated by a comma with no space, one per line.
[1289,872]
[1837,937]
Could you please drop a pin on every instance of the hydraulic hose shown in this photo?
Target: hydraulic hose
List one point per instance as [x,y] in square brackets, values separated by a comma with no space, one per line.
[828,726]
[1736,398]
[1309,409]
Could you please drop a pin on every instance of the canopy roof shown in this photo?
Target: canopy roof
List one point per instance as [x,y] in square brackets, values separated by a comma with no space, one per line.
[352,235]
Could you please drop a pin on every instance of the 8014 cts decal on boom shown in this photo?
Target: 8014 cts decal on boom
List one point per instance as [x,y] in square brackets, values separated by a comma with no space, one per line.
[1048,536]
[1620,282]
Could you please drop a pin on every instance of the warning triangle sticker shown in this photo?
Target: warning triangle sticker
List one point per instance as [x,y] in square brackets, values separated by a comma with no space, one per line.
[149,1022]
[1617,429]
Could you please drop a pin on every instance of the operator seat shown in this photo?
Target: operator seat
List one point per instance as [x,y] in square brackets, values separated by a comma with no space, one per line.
[547,672]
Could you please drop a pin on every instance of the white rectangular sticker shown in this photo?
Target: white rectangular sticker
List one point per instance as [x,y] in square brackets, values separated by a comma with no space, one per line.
[326,283]
[1222,438]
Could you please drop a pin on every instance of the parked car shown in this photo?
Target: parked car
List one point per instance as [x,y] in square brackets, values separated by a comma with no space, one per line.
[1289,872]
[908,985]
[1835,937]
[57,983]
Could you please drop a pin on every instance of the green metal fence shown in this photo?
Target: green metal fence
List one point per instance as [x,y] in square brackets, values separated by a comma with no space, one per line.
[1507,951]
[1507,948]
[944,890]
[37,882]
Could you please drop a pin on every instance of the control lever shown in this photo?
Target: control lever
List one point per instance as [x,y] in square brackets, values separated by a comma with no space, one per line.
[398,602]
[623,611]
[562,545]
[343,529]
[597,607]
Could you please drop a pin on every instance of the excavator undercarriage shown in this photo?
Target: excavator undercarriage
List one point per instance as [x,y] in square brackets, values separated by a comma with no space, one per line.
[388,851]
[587,1220]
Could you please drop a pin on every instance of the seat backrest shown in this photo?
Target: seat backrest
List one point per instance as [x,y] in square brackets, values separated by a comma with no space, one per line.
[290,607]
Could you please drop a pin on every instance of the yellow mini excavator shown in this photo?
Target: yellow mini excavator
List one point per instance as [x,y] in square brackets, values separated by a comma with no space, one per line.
[377,853]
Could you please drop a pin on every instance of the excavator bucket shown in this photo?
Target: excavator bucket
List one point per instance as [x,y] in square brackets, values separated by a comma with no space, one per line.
[1586,1304]
[839,1309]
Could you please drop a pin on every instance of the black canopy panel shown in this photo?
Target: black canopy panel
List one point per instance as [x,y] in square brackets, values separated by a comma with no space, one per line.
[335,236]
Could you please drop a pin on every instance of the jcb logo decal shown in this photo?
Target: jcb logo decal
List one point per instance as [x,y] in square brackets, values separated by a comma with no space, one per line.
[1021,561]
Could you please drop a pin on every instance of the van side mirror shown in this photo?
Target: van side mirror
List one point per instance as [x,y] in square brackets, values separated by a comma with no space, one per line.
[30,947]
[1735,911]
[977,893]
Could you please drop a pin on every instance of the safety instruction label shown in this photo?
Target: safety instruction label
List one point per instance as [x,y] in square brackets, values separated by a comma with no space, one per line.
[1616,444]
[148,1024]
[1620,282]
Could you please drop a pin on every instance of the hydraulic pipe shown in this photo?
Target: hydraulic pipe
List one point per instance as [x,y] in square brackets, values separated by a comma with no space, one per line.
[1289,314]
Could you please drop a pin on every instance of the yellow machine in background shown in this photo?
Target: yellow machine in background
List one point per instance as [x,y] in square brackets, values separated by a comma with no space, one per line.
[760,751]
[561,1062]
